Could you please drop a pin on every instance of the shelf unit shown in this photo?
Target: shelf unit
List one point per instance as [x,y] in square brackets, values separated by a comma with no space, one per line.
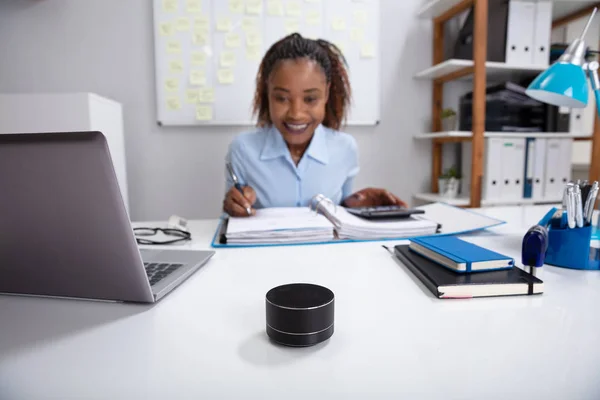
[479,70]
[464,201]
[459,136]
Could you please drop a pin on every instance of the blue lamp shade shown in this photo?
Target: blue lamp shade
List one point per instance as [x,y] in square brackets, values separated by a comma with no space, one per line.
[562,84]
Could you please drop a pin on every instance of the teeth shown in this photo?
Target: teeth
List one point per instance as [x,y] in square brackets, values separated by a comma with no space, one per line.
[297,127]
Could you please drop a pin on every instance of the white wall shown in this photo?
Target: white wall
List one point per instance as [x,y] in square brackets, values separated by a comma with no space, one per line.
[105,46]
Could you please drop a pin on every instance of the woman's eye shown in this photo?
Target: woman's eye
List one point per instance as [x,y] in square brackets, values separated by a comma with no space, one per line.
[280,99]
[310,100]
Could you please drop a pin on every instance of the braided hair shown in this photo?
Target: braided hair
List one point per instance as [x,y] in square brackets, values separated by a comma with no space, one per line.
[331,60]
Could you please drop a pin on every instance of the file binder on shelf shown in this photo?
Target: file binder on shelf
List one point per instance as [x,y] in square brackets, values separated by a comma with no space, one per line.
[496,42]
[542,33]
[535,163]
[492,188]
[520,32]
[558,166]
[512,165]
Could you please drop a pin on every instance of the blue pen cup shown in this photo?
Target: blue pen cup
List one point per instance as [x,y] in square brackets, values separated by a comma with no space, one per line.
[571,248]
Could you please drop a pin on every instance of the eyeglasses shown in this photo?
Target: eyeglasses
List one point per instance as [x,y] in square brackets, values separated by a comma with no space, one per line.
[180,236]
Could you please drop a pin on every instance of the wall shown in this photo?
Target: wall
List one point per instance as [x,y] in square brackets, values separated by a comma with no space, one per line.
[106,46]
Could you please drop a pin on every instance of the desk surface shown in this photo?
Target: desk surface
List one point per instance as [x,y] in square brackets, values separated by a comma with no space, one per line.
[393,339]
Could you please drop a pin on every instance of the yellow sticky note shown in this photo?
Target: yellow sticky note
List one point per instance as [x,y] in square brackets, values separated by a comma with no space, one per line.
[206,95]
[204,113]
[275,8]
[254,7]
[173,103]
[166,29]
[357,34]
[253,39]
[172,85]
[224,24]
[198,58]
[236,6]
[173,47]
[200,39]
[313,17]
[250,24]
[291,25]
[183,24]
[176,66]
[225,76]
[253,53]
[198,77]
[293,8]
[193,6]
[360,17]
[169,5]
[338,24]
[227,59]
[191,96]
[232,40]
[201,24]
[367,50]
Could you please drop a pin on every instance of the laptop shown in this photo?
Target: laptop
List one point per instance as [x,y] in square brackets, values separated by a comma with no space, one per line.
[65,230]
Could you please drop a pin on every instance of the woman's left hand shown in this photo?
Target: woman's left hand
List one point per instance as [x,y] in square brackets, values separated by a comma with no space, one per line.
[372,197]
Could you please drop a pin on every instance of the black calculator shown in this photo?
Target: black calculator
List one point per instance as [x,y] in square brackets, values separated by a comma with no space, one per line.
[384,212]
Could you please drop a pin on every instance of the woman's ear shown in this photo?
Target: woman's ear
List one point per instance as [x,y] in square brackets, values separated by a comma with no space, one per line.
[327,92]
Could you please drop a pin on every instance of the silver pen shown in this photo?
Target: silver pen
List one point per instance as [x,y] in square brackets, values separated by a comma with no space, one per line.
[564,199]
[571,207]
[237,185]
[578,207]
[588,211]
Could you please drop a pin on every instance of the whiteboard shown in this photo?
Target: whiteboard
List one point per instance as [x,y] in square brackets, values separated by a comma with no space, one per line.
[207,54]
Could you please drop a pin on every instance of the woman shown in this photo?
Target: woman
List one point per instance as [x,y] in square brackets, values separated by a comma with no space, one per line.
[302,97]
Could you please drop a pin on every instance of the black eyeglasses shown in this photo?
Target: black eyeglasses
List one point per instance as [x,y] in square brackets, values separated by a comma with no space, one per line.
[180,236]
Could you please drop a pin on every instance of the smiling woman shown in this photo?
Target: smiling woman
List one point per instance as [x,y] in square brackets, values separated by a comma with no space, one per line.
[301,100]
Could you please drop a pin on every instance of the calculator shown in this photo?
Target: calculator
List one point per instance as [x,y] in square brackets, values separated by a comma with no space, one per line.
[384,212]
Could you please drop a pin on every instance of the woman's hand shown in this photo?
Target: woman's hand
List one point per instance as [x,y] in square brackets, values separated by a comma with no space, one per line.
[372,197]
[237,205]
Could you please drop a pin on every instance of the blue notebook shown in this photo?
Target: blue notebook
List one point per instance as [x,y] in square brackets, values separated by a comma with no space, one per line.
[458,255]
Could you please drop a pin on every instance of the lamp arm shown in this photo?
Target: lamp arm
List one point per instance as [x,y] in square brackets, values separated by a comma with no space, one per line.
[592,69]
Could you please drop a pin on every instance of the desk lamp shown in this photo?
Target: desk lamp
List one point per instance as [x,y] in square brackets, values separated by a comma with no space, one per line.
[564,83]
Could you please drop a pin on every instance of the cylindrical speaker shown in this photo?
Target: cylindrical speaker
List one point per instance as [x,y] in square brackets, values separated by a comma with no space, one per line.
[299,314]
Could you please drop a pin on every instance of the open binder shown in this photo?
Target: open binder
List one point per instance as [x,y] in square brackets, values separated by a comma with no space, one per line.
[326,223]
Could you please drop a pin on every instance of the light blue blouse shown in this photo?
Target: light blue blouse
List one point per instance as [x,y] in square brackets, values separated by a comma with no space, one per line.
[261,159]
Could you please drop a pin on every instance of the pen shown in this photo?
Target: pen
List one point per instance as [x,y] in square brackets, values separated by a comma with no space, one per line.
[578,207]
[571,207]
[590,201]
[237,185]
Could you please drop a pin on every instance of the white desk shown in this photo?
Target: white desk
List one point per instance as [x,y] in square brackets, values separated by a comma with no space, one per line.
[393,339]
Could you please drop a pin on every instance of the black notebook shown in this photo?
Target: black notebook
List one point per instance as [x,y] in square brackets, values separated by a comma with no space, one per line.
[446,284]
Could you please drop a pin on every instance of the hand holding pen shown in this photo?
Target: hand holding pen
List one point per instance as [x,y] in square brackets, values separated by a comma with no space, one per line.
[239,200]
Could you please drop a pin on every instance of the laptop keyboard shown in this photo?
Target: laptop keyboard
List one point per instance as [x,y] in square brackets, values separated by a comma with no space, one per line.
[158,271]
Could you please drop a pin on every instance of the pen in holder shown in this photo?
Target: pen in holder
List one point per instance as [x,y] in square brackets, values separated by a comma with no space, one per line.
[570,248]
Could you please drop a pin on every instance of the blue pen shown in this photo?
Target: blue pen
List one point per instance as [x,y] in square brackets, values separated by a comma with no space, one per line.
[237,185]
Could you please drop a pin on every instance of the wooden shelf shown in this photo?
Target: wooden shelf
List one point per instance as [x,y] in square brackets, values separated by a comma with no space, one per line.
[466,135]
[435,8]
[464,201]
[561,8]
[494,70]
[481,73]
